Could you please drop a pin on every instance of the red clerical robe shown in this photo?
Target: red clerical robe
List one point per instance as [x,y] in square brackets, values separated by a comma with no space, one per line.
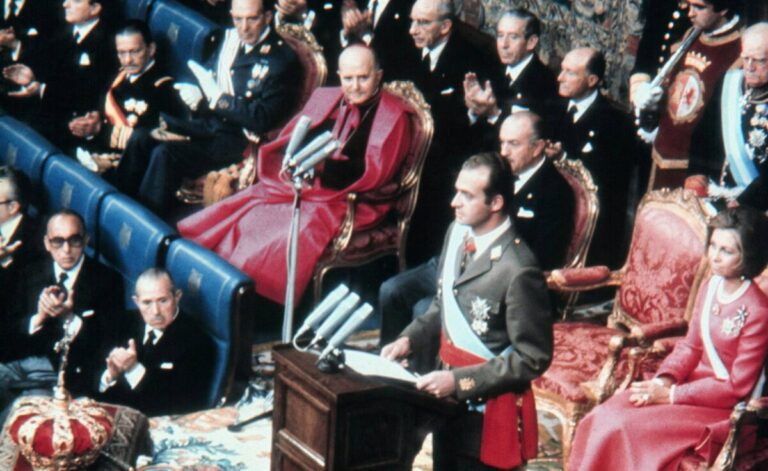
[618,435]
[250,228]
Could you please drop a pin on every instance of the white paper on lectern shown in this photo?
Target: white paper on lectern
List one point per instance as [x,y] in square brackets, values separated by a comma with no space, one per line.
[369,364]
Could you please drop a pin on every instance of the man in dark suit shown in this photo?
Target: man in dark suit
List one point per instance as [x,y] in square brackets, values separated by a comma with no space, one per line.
[602,136]
[523,82]
[139,93]
[166,364]
[382,25]
[541,206]
[70,75]
[492,321]
[446,57]
[19,245]
[251,87]
[70,297]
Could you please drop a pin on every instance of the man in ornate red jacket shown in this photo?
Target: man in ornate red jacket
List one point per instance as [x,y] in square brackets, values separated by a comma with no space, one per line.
[250,229]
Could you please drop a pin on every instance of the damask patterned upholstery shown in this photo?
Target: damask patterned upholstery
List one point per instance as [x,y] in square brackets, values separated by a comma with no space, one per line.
[656,288]
[181,34]
[217,296]
[70,185]
[355,246]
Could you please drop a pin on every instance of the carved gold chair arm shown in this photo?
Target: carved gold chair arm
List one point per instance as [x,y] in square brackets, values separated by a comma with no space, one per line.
[603,387]
[583,279]
[347,225]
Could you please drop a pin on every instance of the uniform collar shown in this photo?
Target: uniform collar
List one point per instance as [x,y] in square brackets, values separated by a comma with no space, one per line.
[484,241]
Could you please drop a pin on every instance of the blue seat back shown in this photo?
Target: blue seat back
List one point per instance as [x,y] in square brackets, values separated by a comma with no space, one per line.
[215,295]
[181,34]
[131,239]
[70,185]
[136,9]
[25,149]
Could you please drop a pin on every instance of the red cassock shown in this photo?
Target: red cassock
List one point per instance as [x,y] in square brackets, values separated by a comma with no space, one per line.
[619,436]
[250,228]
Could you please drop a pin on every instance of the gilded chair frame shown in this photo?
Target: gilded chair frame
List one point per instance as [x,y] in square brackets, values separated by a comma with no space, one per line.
[408,187]
[574,170]
[303,35]
[630,332]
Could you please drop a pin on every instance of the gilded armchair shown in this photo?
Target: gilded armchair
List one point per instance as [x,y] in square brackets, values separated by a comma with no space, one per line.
[656,288]
[354,246]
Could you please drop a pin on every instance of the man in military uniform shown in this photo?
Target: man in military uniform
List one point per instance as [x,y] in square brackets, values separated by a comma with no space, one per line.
[692,83]
[134,101]
[729,150]
[492,318]
[250,88]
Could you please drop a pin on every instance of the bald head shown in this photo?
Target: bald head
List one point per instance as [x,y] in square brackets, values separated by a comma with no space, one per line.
[582,71]
[359,74]
[754,55]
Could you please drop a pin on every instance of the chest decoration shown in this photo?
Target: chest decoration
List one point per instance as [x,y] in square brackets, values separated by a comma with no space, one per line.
[259,71]
[480,311]
[733,325]
[756,115]
[686,97]
[134,108]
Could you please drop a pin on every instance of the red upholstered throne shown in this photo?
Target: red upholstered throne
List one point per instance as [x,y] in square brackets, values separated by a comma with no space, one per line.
[354,246]
[657,287]
[587,209]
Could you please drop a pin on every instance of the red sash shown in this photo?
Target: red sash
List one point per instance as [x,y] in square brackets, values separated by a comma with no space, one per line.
[502,445]
[112,110]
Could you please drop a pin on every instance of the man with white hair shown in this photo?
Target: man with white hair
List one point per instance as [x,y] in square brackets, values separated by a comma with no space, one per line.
[729,150]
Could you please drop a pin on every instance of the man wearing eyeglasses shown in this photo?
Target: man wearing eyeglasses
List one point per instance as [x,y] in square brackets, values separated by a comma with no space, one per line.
[729,149]
[252,85]
[68,295]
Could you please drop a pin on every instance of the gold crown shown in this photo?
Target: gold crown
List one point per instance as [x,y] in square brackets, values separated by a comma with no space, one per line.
[697,61]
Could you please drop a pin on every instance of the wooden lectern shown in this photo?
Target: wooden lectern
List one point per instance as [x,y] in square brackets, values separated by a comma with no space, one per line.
[345,421]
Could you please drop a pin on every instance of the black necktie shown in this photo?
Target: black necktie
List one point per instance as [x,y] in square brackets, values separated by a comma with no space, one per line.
[12,9]
[150,339]
[63,277]
[76,36]
[572,112]
[426,61]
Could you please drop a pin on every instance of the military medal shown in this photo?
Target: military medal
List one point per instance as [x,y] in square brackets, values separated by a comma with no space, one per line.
[479,310]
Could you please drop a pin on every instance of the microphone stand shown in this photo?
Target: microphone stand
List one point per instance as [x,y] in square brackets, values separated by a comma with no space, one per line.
[293,249]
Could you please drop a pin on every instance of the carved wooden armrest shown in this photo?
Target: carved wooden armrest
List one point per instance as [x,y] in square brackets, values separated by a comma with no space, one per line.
[347,225]
[742,413]
[658,330]
[603,387]
[759,406]
[583,279]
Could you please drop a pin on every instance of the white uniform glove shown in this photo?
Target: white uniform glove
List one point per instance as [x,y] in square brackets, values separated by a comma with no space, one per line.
[648,136]
[207,82]
[647,97]
[190,94]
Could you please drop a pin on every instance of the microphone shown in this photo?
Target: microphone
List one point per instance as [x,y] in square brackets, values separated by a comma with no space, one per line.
[323,309]
[354,321]
[336,318]
[297,136]
[313,146]
[317,157]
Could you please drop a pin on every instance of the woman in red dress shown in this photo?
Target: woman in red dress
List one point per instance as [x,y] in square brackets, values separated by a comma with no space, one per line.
[685,408]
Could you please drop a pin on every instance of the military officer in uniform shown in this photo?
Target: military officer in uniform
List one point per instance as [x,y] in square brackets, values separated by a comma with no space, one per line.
[251,86]
[492,320]
[134,101]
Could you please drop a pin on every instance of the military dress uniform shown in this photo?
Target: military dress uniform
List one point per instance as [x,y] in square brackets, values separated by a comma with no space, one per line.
[494,327]
[266,82]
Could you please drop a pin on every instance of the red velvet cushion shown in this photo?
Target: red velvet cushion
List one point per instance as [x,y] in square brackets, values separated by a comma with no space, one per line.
[662,265]
[580,352]
[581,211]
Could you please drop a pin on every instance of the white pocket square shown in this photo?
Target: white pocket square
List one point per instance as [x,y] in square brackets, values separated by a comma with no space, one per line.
[587,148]
[85,60]
[32,32]
[166,366]
[525,213]
[447,91]
[88,313]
